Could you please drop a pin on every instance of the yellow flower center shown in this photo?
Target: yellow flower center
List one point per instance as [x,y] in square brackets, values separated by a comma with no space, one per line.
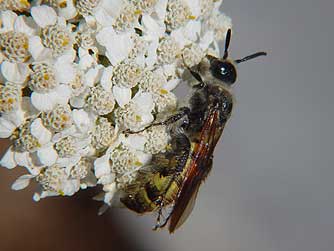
[26,45]
[163,91]
[138,118]
[138,12]
[138,163]
[46,76]
[24,3]
[65,42]
[64,117]
[10,101]
[63,4]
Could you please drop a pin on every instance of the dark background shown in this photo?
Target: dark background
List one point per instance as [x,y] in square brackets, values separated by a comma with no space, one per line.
[271,188]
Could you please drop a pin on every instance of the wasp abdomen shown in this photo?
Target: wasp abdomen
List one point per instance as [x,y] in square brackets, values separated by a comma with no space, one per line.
[161,185]
[149,197]
[138,202]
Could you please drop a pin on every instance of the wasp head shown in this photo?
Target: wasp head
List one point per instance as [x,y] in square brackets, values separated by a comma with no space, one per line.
[225,69]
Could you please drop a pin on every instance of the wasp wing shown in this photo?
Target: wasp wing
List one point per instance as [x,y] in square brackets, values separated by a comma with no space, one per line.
[186,201]
[198,170]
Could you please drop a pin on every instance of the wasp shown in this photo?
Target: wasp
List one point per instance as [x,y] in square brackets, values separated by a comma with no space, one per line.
[173,178]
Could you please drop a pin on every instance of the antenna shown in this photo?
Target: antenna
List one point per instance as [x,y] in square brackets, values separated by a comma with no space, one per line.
[227,43]
[255,55]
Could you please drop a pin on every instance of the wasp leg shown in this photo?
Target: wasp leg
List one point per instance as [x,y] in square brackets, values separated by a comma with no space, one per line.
[161,205]
[195,74]
[183,112]
[159,225]
[182,144]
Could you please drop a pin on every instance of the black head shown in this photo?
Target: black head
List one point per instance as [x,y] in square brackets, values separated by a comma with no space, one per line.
[225,69]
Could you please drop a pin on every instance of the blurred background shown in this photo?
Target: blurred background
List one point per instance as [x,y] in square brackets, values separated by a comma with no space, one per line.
[271,188]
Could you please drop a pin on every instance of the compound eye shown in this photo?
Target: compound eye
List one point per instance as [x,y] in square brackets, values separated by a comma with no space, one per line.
[224,71]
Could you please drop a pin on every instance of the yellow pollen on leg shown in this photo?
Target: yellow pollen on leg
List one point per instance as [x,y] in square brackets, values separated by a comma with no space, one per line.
[169,147]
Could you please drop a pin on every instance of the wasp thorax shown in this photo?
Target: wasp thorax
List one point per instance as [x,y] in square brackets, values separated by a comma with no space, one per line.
[223,70]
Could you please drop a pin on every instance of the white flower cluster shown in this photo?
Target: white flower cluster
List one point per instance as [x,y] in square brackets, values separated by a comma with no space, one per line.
[76,76]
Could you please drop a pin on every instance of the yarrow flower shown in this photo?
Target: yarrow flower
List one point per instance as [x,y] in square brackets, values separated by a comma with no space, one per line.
[83,82]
